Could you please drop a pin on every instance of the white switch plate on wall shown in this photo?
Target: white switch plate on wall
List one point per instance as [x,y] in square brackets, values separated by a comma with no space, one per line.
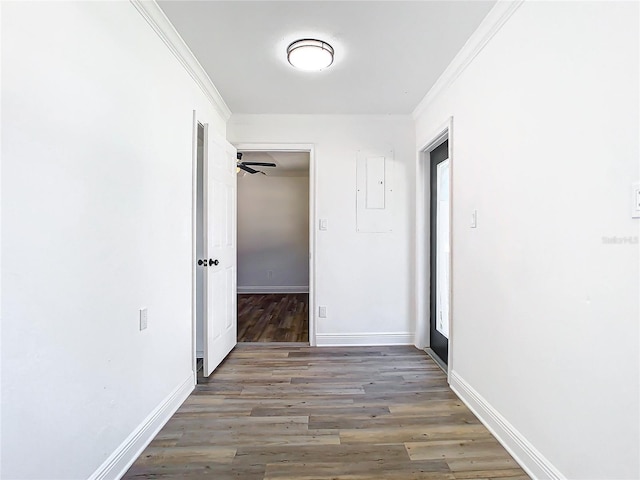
[635,200]
[322,311]
[143,319]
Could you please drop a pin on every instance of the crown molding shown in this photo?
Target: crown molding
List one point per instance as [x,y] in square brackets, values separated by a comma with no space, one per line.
[492,23]
[156,18]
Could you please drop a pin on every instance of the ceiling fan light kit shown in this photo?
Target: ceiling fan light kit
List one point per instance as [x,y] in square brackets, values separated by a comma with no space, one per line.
[310,54]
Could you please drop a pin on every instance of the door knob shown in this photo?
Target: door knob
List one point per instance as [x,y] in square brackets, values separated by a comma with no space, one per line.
[213,262]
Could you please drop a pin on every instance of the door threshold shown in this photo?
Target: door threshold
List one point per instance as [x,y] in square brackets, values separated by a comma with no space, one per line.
[437,359]
[274,344]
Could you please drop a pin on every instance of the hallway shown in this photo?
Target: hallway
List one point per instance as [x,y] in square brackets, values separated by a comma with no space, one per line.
[278,412]
[539,103]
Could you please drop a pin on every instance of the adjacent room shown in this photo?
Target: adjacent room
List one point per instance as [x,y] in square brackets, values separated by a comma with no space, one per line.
[273,246]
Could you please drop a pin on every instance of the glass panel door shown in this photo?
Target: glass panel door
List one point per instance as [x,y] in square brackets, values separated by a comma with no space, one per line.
[440,251]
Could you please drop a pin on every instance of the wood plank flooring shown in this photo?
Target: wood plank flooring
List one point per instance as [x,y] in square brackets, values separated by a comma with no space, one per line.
[277,412]
[276,317]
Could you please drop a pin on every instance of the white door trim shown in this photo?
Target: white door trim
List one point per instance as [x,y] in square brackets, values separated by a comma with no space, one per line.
[444,132]
[194,209]
[299,147]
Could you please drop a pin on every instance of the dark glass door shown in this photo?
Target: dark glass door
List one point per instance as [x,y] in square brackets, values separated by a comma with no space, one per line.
[440,251]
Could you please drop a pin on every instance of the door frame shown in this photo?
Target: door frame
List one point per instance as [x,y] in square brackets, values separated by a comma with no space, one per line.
[306,148]
[422,235]
[194,227]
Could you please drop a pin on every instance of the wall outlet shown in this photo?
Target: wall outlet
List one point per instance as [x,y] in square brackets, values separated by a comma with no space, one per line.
[322,311]
[143,319]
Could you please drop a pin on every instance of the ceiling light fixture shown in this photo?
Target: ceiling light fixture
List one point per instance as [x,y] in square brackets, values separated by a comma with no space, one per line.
[309,54]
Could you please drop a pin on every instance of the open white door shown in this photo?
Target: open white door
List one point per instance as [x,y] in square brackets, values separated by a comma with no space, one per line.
[220,327]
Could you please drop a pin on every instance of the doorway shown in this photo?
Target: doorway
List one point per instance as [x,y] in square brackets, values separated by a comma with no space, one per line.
[273,246]
[275,243]
[440,251]
[435,318]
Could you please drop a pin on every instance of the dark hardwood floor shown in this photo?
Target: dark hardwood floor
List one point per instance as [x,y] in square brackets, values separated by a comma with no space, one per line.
[275,317]
[278,412]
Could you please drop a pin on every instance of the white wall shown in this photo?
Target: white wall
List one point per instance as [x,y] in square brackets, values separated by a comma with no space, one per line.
[273,233]
[362,278]
[545,312]
[96,223]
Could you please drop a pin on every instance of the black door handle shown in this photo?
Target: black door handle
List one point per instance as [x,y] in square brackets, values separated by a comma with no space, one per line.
[201,262]
[213,262]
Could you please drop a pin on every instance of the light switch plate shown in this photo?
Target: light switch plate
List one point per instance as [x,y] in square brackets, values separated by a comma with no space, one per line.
[323,224]
[322,311]
[143,319]
[635,200]
[474,219]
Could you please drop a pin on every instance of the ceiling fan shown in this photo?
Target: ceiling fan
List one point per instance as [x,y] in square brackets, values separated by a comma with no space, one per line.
[247,166]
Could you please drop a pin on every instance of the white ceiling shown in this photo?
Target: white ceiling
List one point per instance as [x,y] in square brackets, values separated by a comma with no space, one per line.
[387,53]
[288,164]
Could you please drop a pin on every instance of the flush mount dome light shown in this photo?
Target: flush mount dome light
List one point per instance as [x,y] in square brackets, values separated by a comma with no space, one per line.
[310,54]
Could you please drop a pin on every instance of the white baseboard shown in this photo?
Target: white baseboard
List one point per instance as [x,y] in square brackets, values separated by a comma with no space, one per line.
[274,289]
[123,457]
[529,458]
[347,339]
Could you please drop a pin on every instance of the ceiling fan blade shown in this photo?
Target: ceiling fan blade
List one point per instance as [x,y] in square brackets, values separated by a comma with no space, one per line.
[247,169]
[260,164]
